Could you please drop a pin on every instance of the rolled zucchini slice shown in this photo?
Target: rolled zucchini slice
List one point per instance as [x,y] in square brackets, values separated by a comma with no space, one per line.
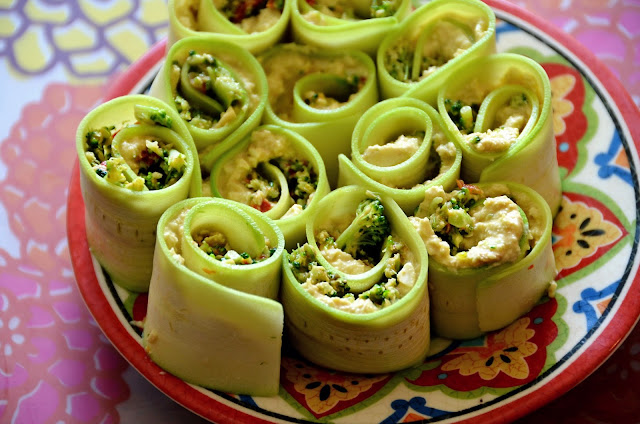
[319,94]
[218,89]
[435,39]
[355,295]
[358,25]
[211,317]
[498,108]
[399,149]
[277,172]
[490,256]
[136,159]
[254,26]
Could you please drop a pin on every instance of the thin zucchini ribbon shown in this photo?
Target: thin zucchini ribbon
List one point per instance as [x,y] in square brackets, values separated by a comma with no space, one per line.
[437,38]
[355,295]
[498,109]
[212,318]
[219,90]
[320,94]
[490,255]
[136,159]
[358,25]
[277,172]
[252,25]
[399,149]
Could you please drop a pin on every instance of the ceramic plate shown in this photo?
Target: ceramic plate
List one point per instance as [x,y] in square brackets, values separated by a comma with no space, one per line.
[501,376]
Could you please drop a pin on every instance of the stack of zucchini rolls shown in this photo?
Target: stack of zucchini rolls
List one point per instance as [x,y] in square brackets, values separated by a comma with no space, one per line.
[343,175]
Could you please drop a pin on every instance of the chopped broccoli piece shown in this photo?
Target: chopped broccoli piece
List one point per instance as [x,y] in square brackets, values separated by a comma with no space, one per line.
[152,115]
[383,8]
[461,114]
[365,236]
[305,268]
[451,219]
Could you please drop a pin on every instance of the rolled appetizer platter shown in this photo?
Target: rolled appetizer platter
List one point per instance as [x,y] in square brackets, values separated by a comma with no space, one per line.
[360,211]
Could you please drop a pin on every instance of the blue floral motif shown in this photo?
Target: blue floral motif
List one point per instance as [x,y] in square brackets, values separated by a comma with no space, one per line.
[418,404]
[248,400]
[590,296]
[607,169]
[503,27]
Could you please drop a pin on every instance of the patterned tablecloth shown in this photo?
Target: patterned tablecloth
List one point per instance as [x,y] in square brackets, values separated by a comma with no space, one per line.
[56,61]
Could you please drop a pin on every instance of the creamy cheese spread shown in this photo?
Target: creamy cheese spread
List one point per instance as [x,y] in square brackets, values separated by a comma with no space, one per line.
[343,261]
[393,152]
[186,12]
[472,232]
[419,55]
[211,242]
[399,277]
[240,181]
[173,233]
[442,158]
[264,20]
[288,64]
[349,10]
[509,121]
[493,141]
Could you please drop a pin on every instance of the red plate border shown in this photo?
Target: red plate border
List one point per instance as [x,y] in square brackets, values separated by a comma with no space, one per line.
[589,360]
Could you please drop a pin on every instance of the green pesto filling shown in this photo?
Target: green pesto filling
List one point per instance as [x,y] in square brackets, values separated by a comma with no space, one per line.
[450,219]
[463,115]
[206,91]
[302,182]
[305,268]
[301,178]
[344,9]
[215,244]
[157,164]
[349,86]
[238,10]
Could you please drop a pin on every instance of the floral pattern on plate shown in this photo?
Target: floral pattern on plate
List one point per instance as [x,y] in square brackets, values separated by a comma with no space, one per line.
[597,225]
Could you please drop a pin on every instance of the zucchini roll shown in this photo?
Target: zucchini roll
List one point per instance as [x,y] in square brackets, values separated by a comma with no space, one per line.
[254,25]
[136,159]
[498,108]
[277,172]
[355,295]
[490,256]
[399,149]
[434,40]
[211,317]
[343,24]
[319,94]
[218,89]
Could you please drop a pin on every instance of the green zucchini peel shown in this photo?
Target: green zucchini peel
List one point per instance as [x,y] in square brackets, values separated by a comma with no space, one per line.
[202,311]
[472,100]
[256,33]
[358,339]
[132,168]
[437,38]
[360,25]
[319,94]
[276,171]
[219,90]
[436,161]
[469,298]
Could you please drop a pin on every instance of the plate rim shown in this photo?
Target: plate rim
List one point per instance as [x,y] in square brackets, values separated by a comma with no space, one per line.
[599,350]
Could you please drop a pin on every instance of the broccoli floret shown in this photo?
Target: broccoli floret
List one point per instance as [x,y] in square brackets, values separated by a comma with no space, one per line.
[365,236]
